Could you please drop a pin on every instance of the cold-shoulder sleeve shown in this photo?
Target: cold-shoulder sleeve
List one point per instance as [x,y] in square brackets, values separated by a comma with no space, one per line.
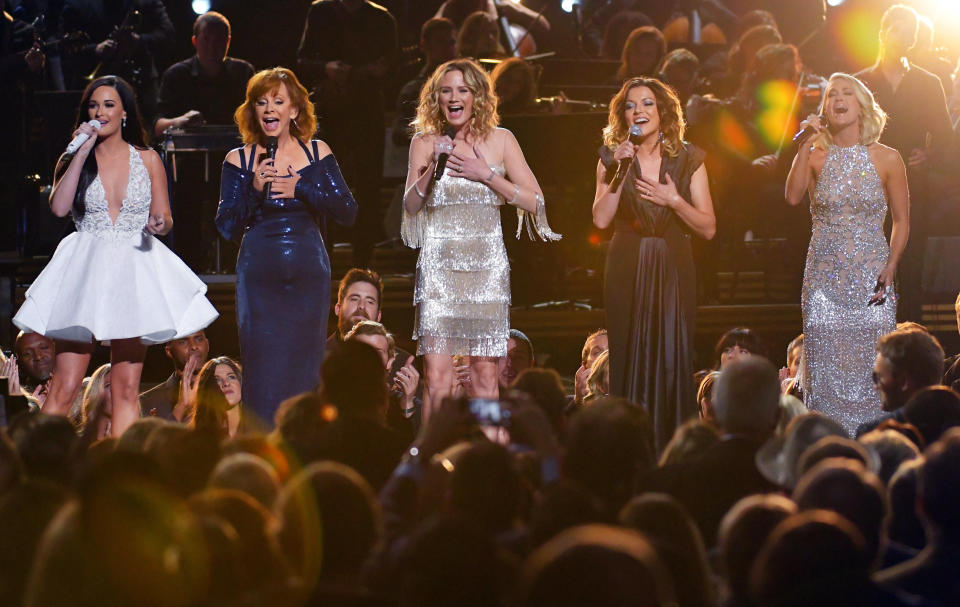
[323,188]
[238,201]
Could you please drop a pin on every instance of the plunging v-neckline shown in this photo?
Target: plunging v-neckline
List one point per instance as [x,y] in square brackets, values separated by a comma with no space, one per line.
[126,187]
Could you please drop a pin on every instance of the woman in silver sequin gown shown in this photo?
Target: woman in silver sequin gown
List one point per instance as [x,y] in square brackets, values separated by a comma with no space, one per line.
[848,299]
[462,291]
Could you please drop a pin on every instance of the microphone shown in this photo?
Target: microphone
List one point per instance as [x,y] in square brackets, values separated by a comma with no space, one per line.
[442,160]
[636,132]
[80,139]
[272,155]
[806,131]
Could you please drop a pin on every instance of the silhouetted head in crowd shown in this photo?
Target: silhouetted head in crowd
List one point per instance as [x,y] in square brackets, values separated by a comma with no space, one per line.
[450,562]
[564,505]
[847,488]
[743,531]
[354,380]
[24,514]
[596,565]
[544,386]
[811,558]
[519,358]
[608,446]
[262,567]
[836,447]
[248,473]
[134,438]
[778,459]
[893,449]
[515,83]
[358,298]
[186,457]
[903,524]
[737,343]
[898,31]
[679,69]
[438,42]
[756,17]
[211,37]
[479,37]
[907,361]
[939,492]
[35,357]
[180,350]
[791,408]
[46,445]
[301,420]
[486,487]
[743,53]
[11,468]
[705,396]
[690,440]
[676,538]
[330,522]
[746,398]
[933,410]
[773,62]
[377,337]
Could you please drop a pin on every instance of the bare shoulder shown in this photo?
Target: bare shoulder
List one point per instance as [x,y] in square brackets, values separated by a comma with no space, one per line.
[885,154]
[151,159]
[503,137]
[233,156]
[323,150]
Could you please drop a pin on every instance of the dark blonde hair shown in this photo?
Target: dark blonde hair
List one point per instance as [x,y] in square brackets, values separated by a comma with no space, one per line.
[646,33]
[269,81]
[430,119]
[672,125]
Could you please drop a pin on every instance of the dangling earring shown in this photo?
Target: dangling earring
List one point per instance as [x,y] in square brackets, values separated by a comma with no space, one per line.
[123,122]
[660,137]
[295,125]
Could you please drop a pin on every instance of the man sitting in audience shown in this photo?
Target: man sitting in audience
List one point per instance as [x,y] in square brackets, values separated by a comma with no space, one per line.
[358,298]
[36,355]
[166,400]
[908,360]
[746,406]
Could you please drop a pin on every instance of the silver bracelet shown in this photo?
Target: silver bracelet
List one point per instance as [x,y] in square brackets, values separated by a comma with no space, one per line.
[516,194]
[490,176]
[417,190]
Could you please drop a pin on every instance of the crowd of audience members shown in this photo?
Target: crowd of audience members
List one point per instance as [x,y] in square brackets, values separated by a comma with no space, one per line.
[542,498]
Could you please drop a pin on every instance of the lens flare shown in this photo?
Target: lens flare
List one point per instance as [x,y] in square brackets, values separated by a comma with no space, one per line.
[857,36]
[775,98]
[732,136]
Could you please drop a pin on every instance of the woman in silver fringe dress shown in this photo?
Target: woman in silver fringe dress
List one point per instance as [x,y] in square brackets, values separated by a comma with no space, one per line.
[462,291]
[848,299]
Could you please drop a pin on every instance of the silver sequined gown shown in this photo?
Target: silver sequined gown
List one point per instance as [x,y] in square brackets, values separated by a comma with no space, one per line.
[462,291]
[846,255]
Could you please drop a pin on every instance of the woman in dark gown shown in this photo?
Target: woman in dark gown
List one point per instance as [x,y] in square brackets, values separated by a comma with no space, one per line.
[649,282]
[283,272]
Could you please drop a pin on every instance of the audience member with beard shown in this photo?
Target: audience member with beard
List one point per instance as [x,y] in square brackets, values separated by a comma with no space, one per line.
[166,400]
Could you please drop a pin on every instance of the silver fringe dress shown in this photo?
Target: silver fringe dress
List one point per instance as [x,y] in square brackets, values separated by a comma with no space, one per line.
[846,255]
[462,290]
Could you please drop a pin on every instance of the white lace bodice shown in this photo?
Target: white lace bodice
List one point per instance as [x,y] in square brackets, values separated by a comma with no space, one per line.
[135,209]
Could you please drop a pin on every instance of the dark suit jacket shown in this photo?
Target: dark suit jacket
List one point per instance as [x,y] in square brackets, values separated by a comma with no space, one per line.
[160,400]
[711,484]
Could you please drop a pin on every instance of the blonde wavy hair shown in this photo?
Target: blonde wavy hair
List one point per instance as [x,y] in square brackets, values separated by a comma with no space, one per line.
[430,119]
[872,117]
[269,81]
[672,125]
[95,397]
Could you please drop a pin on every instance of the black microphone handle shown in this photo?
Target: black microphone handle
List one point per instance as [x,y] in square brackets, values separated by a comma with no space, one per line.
[804,133]
[441,165]
[621,173]
[272,155]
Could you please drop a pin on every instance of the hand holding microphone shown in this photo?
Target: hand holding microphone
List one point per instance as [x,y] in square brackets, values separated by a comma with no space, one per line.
[810,127]
[86,131]
[625,153]
[442,149]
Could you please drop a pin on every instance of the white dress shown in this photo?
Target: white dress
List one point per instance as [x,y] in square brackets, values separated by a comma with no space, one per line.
[114,280]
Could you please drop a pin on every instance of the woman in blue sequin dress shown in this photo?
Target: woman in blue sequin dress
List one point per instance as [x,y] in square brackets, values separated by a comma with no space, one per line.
[283,272]
[848,298]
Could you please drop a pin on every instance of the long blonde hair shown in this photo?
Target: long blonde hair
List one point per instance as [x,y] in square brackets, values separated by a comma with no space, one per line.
[95,397]
[872,117]
[672,125]
[430,119]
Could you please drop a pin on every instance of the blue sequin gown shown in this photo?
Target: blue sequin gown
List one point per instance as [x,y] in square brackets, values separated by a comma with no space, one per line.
[283,277]
[847,253]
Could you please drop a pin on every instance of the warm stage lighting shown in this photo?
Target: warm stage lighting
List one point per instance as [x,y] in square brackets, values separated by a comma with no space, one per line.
[835,2]
[567,5]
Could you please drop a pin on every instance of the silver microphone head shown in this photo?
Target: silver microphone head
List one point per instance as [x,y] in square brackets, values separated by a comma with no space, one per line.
[636,132]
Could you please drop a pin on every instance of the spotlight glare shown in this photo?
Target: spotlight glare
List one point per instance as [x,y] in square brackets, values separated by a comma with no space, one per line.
[835,2]
[200,6]
[567,5]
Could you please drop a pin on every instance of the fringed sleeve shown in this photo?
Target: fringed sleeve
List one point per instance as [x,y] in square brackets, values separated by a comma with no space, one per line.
[324,189]
[537,226]
[238,201]
[412,227]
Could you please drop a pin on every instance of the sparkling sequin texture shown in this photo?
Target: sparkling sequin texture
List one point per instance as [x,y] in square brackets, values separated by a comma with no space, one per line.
[846,255]
[462,293]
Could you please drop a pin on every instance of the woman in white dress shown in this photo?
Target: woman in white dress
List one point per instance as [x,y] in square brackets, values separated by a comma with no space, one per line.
[111,281]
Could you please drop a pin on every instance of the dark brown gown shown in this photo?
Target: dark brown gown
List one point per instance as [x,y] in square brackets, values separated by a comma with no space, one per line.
[650,300]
